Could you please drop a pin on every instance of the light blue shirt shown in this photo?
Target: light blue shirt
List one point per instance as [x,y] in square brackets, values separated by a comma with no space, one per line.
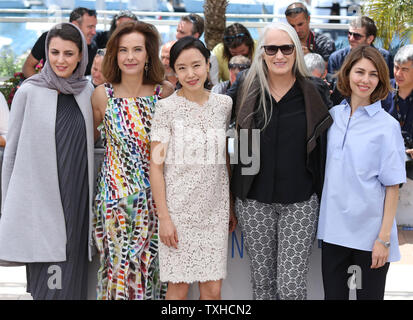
[365,153]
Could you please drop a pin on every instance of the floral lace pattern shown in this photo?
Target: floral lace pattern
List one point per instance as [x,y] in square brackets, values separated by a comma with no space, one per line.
[197,186]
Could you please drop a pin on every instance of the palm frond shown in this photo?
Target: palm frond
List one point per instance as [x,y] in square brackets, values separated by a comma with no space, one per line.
[392,17]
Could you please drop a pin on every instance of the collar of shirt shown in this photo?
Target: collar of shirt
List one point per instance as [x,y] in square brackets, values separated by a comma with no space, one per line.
[371,109]
[394,92]
[409,98]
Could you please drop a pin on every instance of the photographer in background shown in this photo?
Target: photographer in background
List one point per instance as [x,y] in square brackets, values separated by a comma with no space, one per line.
[399,103]
[96,71]
[101,38]
[235,65]
[298,17]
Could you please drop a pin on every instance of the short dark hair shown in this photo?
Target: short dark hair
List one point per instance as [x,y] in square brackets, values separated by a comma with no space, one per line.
[110,67]
[197,23]
[368,52]
[185,43]
[367,23]
[77,14]
[66,32]
[297,8]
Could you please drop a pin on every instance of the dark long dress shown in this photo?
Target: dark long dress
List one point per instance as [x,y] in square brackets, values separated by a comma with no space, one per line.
[68,280]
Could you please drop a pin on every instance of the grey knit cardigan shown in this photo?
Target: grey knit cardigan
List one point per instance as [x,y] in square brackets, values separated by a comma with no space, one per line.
[32,224]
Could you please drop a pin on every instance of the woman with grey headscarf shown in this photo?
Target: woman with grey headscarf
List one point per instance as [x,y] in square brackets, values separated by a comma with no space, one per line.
[47,176]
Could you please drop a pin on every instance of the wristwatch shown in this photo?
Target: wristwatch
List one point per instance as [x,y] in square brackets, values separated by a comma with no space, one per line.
[384,243]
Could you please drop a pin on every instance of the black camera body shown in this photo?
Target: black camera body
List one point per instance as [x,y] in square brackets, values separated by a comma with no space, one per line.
[408,143]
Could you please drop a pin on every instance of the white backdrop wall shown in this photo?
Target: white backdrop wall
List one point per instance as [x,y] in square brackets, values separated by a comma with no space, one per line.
[237,285]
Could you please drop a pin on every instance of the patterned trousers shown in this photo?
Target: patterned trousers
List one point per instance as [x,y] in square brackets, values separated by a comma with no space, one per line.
[278,239]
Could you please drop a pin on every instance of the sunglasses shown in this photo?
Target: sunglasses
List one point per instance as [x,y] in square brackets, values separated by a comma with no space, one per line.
[286,49]
[101,52]
[356,36]
[192,18]
[239,66]
[295,11]
[229,39]
[125,14]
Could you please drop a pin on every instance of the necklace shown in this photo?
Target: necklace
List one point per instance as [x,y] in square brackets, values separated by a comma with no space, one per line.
[283,91]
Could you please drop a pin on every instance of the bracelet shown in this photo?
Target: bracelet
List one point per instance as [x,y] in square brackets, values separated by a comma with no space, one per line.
[384,243]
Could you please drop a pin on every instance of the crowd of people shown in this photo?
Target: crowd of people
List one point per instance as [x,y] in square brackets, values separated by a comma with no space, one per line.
[320,150]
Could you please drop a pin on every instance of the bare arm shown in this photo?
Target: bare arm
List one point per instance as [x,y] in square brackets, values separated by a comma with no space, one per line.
[2,142]
[167,230]
[380,252]
[410,152]
[99,102]
[29,66]
[167,89]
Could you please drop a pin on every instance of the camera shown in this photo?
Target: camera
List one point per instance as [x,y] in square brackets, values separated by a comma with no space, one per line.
[408,143]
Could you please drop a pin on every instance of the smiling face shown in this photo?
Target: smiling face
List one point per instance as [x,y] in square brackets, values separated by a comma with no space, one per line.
[132,53]
[87,26]
[64,56]
[191,69]
[363,79]
[279,64]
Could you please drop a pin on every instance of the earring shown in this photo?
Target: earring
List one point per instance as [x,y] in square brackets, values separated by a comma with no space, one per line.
[146,68]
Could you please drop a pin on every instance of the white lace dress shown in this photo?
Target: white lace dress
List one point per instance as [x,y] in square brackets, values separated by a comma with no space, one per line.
[197,186]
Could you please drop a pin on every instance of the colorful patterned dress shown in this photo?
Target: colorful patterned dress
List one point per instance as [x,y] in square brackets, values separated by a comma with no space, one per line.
[126,224]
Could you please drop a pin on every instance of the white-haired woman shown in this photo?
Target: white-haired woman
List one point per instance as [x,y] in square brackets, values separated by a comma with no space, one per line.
[277,204]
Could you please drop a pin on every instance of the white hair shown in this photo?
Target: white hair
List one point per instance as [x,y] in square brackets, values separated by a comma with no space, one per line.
[258,71]
[314,61]
[240,59]
[404,54]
